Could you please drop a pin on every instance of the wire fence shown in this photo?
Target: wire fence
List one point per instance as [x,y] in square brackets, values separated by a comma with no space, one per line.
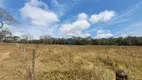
[32,74]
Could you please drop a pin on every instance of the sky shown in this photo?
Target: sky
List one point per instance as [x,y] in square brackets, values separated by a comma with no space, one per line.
[80,18]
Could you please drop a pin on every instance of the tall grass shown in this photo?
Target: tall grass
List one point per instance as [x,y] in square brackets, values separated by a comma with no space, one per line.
[63,62]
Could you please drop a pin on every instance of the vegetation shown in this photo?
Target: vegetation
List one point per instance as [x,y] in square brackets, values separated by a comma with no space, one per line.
[5,18]
[130,41]
[69,62]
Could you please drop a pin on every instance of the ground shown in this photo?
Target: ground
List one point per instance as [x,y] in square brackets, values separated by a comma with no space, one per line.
[68,62]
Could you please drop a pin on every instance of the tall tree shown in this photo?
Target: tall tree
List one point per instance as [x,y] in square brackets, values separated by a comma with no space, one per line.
[4,33]
[5,18]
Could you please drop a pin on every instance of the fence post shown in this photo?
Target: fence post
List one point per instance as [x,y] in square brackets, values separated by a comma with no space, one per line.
[121,75]
[33,65]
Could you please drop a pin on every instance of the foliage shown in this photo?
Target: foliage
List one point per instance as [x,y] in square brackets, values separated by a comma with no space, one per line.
[130,41]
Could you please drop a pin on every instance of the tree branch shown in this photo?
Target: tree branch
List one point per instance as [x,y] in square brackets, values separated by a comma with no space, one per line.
[1,24]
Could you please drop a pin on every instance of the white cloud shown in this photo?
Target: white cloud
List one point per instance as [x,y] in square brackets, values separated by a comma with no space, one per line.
[34,31]
[59,8]
[102,17]
[82,16]
[132,29]
[38,16]
[38,3]
[76,28]
[62,7]
[103,34]
[123,35]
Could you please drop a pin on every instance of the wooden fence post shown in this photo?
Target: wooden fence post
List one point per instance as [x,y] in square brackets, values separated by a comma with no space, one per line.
[33,65]
[121,75]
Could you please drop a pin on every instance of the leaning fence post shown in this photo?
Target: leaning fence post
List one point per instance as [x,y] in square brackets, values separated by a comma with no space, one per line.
[33,65]
[121,75]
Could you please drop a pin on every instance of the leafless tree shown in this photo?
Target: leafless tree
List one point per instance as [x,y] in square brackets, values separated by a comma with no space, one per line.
[5,17]
[4,33]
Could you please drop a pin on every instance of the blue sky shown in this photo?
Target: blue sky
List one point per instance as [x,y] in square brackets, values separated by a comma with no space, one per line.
[66,18]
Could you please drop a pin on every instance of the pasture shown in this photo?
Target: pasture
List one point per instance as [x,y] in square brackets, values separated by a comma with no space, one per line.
[69,62]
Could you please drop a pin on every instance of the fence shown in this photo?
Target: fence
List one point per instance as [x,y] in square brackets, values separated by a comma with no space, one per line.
[120,74]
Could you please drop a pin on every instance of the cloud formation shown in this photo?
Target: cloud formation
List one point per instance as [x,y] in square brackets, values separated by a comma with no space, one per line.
[62,7]
[102,17]
[38,14]
[83,23]
[82,16]
[103,34]
[77,27]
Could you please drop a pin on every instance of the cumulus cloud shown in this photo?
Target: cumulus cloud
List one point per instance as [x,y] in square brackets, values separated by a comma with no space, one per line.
[103,34]
[76,28]
[82,16]
[38,14]
[102,17]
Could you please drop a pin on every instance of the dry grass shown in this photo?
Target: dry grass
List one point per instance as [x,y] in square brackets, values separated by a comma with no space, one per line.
[60,62]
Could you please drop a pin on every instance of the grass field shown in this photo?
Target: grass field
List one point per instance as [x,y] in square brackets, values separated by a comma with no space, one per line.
[64,62]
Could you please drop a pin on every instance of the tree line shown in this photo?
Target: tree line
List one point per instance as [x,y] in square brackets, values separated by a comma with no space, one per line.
[129,41]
